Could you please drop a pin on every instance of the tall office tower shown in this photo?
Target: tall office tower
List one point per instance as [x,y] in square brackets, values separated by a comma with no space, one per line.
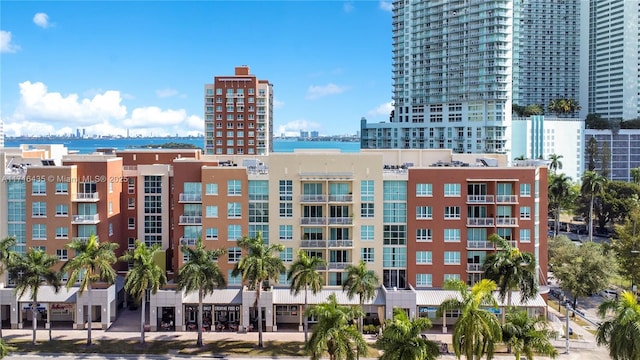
[547,53]
[238,115]
[613,59]
[452,74]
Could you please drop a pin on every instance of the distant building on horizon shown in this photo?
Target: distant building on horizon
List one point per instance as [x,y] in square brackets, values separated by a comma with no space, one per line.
[1,134]
[238,112]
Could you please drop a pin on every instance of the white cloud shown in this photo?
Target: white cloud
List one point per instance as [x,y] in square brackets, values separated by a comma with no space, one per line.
[348,6]
[381,110]
[277,104]
[317,91]
[5,43]
[42,20]
[386,6]
[164,93]
[41,112]
[292,128]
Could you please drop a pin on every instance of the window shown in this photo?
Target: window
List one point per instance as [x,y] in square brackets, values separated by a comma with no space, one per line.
[394,257]
[39,187]
[366,232]
[131,243]
[525,212]
[366,190]
[211,189]
[62,188]
[286,190]
[62,232]
[424,280]
[451,189]
[366,210]
[424,190]
[366,254]
[131,185]
[451,277]
[286,232]
[62,210]
[525,235]
[39,209]
[424,258]
[211,211]
[235,253]
[131,223]
[234,187]
[62,254]
[423,235]
[424,212]
[211,234]
[233,280]
[286,210]
[234,232]
[39,232]
[234,210]
[287,255]
[452,212]
[451,235]
[525,189]
[110,229]
[452,258]
[131,203]
[394,235]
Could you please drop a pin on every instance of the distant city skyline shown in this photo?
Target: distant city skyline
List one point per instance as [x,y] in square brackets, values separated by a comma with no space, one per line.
[67,66]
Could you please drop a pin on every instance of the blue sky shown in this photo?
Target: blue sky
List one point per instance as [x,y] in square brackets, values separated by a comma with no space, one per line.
[107,66]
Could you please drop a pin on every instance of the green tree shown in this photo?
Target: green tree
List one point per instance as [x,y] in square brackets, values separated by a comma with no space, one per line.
[593,153]
[31,271]
[93,261]
[592,186]
[595,121]
[335,333]
[621,334]
[605,169]
[511,269]
[518,110]
[626,246]
[477,330]
[144,275]
[402,340]
[303,275]
[361,282]
[533,109]
[526,336]
[7,256]
[4,351]
[616,202]
[200,273]
[559,196]
[259,264]
[556,163]
[563,107]
[635,175]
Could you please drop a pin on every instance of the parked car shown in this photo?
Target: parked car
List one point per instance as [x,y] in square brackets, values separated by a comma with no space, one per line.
[608,294]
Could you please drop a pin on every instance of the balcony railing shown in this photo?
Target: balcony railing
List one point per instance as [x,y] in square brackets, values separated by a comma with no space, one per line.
[512,243]
[319,220]
[86,219]
[190,219]
[474,267]
[313,243]
[340,243]
[338,265]
[184,197]
[341,198]
[479,244]
[93,196]
[340,221]
[83,238]
[507,221]
[506,199]
[313,198]
[480,199]
[480,221]
[188,241]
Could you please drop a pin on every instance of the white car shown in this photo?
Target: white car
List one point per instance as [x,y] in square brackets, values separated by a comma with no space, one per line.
[608,294]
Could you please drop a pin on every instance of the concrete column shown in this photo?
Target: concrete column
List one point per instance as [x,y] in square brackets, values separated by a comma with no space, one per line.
[300,318]
[444,322]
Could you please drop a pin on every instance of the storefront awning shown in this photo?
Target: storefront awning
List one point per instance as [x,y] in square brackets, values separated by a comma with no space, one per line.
[437,297]
[46,294]
[284,296]
[222,296]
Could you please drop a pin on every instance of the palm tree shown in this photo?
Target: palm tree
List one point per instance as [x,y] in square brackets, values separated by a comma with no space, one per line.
[334,332]
[559,192]
[563,106]
[361,282]
[635,175]
[511,269]
[555,163]
[31,271]
[303,274]
[202,274]
[621,333]
[93,262]
[477,330]
[592,186]
[258,265]
[145,275]
[401,339]
[525,335]
[3,349]
[6,258]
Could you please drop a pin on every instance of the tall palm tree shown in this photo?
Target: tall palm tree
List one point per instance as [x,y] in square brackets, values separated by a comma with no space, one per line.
[361,282]
[563,106]
[145,275]
[555,163]
[402,340]
[511,269]
[334,332]
[93,262]
[200,273]
[559,192]
[592,185]
[303,274]
[477,330]
[7,255]
[259,264]
[31,271]
[621,334]
[525,335]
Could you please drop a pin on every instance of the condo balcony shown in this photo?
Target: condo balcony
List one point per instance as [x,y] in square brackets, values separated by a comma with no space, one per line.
[188,241]
[512,243]
[313,244]
[340,198]
[340,243]
[85,219]
[338,265]
[190,198]
[507,199]
[83,238]
[86,197]
[507,221]
[474,267]
[480,199]
[479,245]
[340,221]
[190,220]
[481,222]
[316,220]
[313,198]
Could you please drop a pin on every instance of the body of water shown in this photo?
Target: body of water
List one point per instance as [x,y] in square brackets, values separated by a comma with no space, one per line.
[87,146]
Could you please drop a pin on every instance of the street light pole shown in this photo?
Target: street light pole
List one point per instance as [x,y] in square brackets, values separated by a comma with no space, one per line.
[566,331]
